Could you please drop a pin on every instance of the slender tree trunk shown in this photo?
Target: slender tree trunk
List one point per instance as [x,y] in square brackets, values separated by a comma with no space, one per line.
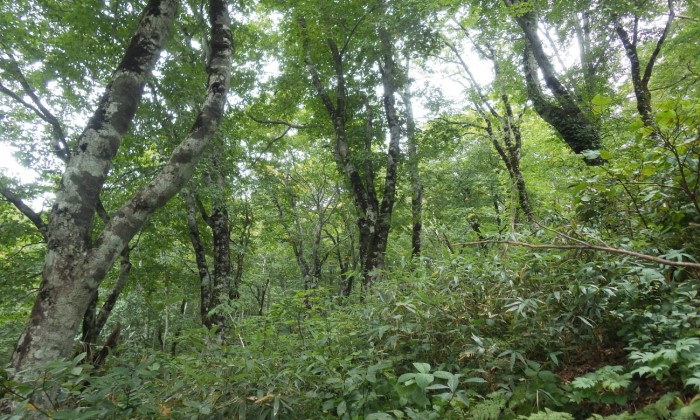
[92,331]
[241,251]
[641,77]
[205,282]
[414,173]
[74,266]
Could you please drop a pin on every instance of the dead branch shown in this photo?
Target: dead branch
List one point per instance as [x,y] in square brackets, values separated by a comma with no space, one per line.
[586,246]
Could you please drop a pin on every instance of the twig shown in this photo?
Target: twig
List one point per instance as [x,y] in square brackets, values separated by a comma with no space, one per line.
[275,122]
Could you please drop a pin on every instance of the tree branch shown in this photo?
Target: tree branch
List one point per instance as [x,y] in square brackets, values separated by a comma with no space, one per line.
[275,122]
[33,216]
[659,43]
[587,246]
[61,146]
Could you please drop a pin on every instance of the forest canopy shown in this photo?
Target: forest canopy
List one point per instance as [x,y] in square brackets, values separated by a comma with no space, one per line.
[350,209]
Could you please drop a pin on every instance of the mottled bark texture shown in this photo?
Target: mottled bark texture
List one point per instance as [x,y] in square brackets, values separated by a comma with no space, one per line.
[565,113]
[216,287]
[389,72]
[200,259]
[74,266]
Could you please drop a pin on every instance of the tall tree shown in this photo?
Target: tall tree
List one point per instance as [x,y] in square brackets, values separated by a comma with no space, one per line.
[413,159]
[221,283]
[374,217]
[75,265]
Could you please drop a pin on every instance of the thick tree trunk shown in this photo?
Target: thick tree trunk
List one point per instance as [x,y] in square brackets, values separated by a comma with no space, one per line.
[374,218]
[579,133]
[567,117]
[214,287]
[378,244]
[73,267]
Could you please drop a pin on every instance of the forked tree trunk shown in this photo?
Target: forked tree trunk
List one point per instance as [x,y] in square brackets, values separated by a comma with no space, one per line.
[566,114]
[641,77]
[74,267]
[508,127]
[219,285]
[377,250]
[374,218]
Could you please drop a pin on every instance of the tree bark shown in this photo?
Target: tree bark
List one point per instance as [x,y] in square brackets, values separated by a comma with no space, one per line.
[414,173]
[374,218]
[205,281]
[377,250]
[74,266]
[509,129]
[566,116]
[640,80]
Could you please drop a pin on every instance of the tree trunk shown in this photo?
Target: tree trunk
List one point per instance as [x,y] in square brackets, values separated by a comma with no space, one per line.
[92,331]
[509,128]
[414,173]
[74,266]
[579,133]
[640,80]
[205,282]
[214,288]
[377,250]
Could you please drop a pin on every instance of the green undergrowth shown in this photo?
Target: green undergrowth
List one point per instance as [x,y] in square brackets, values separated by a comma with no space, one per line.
[499,334]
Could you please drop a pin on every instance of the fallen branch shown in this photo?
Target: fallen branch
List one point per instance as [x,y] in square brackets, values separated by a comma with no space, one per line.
[589,247]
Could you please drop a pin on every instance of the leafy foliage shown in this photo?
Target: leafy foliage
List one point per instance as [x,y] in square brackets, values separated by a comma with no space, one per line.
[485,330]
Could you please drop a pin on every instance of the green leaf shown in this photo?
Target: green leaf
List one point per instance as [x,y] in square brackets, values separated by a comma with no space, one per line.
[442,374]
[379,416]
[406,377]
[424,379]
[591,154]
[342,408]
[422,367]
[601,100]
[604,154]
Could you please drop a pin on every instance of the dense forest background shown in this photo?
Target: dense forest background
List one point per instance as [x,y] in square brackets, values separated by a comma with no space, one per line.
[350,209]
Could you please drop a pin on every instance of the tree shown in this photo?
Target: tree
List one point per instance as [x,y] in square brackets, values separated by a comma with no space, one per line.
[641,73]
[374,218]
[506,136]
[565,114]
[413,159]
[306,199]
[75,264]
